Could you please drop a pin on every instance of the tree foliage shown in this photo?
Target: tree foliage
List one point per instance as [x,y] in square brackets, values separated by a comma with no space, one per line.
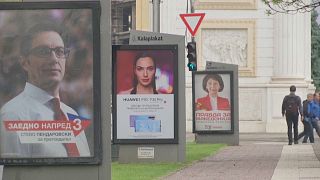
[290,6]
[315,49]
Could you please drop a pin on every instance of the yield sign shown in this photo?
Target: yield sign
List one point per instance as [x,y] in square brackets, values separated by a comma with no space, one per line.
[192,21]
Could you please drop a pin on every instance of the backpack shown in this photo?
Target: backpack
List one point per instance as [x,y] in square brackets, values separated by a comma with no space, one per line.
[292,105]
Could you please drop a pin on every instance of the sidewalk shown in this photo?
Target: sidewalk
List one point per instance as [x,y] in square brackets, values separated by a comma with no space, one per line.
[258,157]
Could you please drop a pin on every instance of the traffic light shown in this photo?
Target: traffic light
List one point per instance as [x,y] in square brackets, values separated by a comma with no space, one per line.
[192,56]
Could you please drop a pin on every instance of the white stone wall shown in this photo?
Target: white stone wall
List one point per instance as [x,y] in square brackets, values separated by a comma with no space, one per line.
[282,57]
[170,19]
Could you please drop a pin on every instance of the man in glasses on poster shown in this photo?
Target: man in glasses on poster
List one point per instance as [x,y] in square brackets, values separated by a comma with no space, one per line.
[36,123]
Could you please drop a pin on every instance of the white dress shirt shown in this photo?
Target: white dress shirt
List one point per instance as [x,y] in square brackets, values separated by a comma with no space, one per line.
[214,104]
[31,105]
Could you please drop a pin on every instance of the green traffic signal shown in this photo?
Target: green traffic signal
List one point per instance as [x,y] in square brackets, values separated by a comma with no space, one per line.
[192,56]
[192,66]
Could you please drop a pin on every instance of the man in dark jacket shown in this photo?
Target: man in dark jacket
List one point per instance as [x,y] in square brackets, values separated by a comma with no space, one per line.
[306,120]
[291,107]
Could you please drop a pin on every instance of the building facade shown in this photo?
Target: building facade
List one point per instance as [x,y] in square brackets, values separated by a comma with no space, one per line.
[273,52]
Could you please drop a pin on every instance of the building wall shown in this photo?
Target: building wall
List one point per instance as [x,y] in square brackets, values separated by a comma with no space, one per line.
[279,46]
[252,88]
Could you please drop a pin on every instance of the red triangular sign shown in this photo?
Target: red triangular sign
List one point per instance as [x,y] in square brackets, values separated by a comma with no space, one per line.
[192,21]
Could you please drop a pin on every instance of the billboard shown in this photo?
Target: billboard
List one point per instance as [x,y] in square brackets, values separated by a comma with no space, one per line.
[145,93]
[212,101]
[50,83]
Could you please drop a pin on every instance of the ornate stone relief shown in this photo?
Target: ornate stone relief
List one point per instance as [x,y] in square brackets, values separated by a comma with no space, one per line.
[228,41]
[225,45]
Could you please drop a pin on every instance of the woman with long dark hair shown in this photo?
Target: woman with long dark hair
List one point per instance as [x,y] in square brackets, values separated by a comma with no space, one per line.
[144,68]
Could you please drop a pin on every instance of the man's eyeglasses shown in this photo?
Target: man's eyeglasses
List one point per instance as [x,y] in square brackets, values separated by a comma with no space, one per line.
[46,52]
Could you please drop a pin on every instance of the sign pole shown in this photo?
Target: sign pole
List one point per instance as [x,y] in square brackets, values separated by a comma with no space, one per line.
[156,15]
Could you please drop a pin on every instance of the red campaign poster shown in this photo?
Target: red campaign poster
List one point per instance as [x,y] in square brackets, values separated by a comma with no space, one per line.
[212,101]
[48,92]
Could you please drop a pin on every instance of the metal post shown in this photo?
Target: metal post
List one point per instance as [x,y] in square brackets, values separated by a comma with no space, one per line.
[192,11]
[156,15]
[191,6]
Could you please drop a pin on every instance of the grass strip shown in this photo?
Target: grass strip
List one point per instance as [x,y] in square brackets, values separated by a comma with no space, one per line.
[147,171]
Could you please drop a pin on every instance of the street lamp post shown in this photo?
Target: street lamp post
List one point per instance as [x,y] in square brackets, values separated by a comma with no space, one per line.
[156,15]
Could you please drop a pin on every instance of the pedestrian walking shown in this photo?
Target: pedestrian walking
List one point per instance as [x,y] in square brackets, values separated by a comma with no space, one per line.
[291,108]
[306,120]
[314,113]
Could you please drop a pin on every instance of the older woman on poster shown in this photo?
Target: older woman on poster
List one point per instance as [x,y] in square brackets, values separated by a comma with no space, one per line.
[212,84]
[144,68]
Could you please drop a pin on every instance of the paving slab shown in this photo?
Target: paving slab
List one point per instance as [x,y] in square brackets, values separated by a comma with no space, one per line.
[297,162]
[258,157]
[244,162]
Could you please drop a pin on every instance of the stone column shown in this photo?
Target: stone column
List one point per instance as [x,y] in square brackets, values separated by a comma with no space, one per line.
[292,48]
[292,65]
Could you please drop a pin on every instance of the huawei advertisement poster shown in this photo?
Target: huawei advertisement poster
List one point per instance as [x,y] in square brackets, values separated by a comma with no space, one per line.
[144,92]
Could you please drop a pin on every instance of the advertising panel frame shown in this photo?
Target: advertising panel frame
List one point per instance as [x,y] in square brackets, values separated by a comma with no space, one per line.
[94,93]
[174,72]
[230,98]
